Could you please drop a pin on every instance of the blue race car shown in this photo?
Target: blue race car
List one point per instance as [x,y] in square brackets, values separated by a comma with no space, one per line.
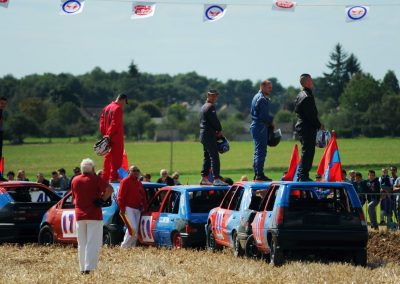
[229,223]
[316,217]
[59,222]
[177,214]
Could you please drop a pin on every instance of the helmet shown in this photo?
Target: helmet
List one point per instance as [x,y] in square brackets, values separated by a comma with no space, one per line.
[323,138]
[223,145]
[274,137]
[102,147]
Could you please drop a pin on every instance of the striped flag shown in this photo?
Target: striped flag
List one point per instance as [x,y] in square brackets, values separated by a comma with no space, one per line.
[330,167]
[291,175]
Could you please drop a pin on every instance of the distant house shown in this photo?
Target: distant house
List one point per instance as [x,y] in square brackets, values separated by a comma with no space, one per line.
[168,135]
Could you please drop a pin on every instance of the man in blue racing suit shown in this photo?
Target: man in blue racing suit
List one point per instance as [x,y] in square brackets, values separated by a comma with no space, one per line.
[260,125]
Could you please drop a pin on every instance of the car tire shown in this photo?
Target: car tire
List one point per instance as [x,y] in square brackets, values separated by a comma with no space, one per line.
[110,238]
[276,255]
[46,236]
[360,257]
[211,243]
[177,241]
[251,249]
[237,248]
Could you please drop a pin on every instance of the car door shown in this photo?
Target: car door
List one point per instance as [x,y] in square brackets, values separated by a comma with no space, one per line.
[222,216]
[148,221]
[233,221]
[65,221]
[259,220]
[268,212]
[167,222]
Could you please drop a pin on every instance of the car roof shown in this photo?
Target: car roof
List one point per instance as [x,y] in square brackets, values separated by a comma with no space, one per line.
[315,183]
[254,184]
[184,188]
[20,183]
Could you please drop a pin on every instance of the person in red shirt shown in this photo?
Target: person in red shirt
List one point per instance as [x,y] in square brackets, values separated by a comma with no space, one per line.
[131,201]
[111,125]
[88,193]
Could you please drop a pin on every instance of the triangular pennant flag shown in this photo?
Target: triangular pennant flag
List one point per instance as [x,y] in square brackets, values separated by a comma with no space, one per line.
[213,12]
[141,10]
[330,167]
[123,170]
[284,5]
[291,175]
[4,3]
[1,166]
[72,7]
[356,13]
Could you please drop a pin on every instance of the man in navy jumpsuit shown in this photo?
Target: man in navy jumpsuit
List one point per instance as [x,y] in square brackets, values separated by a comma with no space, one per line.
[260,124]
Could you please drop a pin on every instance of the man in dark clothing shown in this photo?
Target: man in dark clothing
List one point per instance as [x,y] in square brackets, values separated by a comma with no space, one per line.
[210,130]
[42,180]
[360,186]
[261,122]
[307,125]
[373,200]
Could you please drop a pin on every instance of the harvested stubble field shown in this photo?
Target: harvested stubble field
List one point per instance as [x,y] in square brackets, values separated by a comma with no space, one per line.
[58,264]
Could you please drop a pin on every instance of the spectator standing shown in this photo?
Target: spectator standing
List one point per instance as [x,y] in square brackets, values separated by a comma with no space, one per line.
[112,126]
[147,177]
[88,192]
[344,176]
[64,181]
[132,201]
[55,181]
[165,178]
[360,186]
[10,176]
[175,178]
[244,178]
[352,175]
[42,180]
[261,124]
[386,200]
[373,200]
[396,189]
[21,176]
[77,172]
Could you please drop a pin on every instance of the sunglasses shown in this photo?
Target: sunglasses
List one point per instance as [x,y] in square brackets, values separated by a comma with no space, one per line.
[136,170]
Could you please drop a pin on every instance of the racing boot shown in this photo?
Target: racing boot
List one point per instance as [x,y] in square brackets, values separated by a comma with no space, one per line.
[262,177]
[205,181]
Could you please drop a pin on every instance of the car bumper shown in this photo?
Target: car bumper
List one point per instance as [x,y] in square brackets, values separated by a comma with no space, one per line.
[193,239]
[15,232]
[320,240]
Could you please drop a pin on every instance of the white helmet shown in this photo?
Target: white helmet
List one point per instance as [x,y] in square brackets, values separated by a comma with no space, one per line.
[323,138]
[102,147]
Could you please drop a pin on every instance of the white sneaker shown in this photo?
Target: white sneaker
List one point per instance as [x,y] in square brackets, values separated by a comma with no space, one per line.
[219,182]
[205,181]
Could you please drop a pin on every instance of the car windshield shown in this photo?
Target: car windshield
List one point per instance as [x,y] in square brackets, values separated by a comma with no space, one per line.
[321,199]
[202,201]
[33,194]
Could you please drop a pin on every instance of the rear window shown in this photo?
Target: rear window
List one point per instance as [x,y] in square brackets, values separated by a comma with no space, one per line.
[202,201]
[321,199]
[32,194]
[258,200]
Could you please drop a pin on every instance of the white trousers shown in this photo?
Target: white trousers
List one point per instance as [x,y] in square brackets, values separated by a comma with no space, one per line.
[90,239]
[132,219]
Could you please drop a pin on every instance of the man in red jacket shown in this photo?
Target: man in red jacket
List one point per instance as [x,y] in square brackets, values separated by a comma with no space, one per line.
[111,125]
[131,201]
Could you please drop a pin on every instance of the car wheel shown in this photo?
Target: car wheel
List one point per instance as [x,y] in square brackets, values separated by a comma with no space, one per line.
[110,238]
[360,257]
[177,241]
[276,255]
[46,236]
[251,249]
[211,244]
[237,248]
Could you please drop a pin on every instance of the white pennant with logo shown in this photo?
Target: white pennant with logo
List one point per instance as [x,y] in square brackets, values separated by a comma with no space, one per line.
[213,12]
[284,5]
[4,3]
[141,10]
[356,13]
[72,7]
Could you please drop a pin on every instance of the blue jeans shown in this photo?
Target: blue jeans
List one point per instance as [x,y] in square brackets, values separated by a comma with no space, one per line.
[260,138]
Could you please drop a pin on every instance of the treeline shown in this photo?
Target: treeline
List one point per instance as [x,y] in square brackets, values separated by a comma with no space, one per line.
[349,100]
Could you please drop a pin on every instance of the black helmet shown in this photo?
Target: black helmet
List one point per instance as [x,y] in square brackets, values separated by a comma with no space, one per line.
[274,137]
[223,145]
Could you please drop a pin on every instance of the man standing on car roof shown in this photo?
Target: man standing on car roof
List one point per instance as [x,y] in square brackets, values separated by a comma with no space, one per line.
[111,125]
[210,130]
[131,201]
[307,125]
[88,193]
[261,123]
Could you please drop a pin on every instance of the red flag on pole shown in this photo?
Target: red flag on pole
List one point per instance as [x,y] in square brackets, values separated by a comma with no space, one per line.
[125,164]
[291,175]
[1,166]
[330,167]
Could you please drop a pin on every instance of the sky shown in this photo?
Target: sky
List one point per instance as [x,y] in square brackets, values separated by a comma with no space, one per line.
[250,42]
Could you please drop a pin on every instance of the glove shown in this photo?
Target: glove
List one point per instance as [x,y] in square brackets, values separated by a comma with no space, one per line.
[98,202]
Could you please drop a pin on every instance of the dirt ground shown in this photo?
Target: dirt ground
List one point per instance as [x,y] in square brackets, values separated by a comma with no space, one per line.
[58,264]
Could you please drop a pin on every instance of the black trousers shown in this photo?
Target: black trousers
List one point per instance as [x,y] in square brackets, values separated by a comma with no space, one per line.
[211,156]
[307,139]
[1,144]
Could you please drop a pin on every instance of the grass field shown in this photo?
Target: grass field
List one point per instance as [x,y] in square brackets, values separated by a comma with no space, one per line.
[59,264]
[359,154]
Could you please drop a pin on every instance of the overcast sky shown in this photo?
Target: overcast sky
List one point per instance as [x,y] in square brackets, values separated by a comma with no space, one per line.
[250,42]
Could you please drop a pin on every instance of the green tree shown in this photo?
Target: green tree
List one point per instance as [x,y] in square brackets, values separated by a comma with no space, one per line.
[150,108]
[137,123]
[353,66]
[284,116]
[68,114]
[390,83]
[18,127]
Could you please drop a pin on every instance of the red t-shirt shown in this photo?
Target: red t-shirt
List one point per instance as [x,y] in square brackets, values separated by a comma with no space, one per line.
[131,194]
[86,188]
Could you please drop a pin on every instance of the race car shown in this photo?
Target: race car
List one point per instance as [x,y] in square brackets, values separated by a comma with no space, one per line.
[228,224]
[309,217]
[59,223]
[22,205]
[176,216]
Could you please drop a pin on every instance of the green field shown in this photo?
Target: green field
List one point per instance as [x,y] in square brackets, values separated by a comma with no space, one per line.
[358,154]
